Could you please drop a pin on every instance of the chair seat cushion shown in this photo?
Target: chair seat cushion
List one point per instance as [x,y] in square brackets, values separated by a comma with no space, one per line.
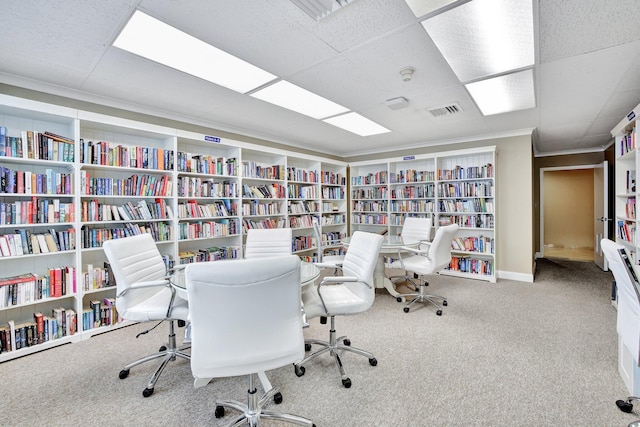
[155,308]
[416,264]
[339,300]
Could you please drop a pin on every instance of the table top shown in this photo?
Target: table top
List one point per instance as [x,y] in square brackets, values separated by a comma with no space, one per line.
[308,274]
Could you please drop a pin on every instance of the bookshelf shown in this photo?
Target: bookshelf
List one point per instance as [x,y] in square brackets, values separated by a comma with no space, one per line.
[197,195]
[208,200]
[625,136]
[449,187]
[303,204]
[333,219]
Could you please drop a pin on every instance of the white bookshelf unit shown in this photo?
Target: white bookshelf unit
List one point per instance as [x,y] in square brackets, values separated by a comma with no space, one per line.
[196,194]
[626,191]
[449,187]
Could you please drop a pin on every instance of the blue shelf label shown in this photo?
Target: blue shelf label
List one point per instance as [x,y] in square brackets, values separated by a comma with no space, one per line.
[210,138]
[631,116]
[409,158]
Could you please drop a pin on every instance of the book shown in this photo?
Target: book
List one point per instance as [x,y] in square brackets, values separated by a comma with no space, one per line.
[50,242]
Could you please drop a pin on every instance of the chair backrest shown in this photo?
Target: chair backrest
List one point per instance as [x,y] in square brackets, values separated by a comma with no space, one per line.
[628,317]
[360,261]
[268,242]
[318,234]
[245,315]
[415,230]
[440,250]
[134,259]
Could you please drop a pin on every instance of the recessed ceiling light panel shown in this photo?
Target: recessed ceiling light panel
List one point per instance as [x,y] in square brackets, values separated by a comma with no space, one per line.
[355,123]
[292,97]
[153,39]
[510,92]
[484,37]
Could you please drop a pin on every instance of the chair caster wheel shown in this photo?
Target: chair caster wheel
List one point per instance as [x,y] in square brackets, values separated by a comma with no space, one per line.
[439,312]
[624,406]
[307,347]
[346,382]
[147,392]
[163,348]
[373,361]
[399,299]
[444,303]
[123,374]
[346,342]
[299,370]
[406,309]
[277,398]
[219,411]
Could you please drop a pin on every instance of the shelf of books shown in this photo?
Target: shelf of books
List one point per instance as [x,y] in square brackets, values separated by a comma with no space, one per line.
[449,187]
[333,220]
[126,187]
[466,196]
[303,205]
[369,197]
[412,191]
[71,179]
[38,234]
[208,211]
[626,192]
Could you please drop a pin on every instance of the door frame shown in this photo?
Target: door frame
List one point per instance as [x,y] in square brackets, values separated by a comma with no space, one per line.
[540,254]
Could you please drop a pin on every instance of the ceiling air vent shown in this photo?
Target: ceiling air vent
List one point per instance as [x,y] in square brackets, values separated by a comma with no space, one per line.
[318,9]
[447,110]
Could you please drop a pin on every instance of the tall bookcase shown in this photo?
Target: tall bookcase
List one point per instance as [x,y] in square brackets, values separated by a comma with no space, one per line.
[93,177]
[449,187]
[626,191]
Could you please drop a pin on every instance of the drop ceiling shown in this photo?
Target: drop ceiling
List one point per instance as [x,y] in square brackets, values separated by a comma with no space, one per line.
[587,70]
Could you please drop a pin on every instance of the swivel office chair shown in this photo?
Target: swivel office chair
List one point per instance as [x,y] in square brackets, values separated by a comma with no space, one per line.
[144,293]
[352,293]
[414,231]
[263,243]
[245,319]
[268,242]
[327,260]
[628,315]
[428,258]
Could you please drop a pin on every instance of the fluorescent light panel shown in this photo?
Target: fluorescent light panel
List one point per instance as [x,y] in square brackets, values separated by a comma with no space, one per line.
[355,123]
[153,39]
[295,98]
[510,92]
[484,37]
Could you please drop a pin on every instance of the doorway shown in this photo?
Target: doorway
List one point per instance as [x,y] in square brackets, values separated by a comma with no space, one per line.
[567,213]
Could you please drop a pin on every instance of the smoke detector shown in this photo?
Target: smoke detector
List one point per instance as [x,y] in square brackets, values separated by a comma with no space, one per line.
[407,73]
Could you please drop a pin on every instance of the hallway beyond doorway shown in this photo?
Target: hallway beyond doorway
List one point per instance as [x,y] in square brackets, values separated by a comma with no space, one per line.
[573,254]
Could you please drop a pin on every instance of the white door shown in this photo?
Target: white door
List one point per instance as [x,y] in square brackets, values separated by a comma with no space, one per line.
[600,212]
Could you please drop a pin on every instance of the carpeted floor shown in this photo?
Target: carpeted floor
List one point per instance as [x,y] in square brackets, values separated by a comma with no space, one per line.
[502,354]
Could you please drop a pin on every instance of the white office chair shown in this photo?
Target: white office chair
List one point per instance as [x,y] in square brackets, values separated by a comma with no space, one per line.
[245,319]
[326,260]
[268,242]
[414,231]
[628,315]
[145,294]
[263,243]
[352,293]
[428,258]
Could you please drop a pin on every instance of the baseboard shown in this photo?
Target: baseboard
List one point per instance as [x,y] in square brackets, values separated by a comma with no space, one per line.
[520,277]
